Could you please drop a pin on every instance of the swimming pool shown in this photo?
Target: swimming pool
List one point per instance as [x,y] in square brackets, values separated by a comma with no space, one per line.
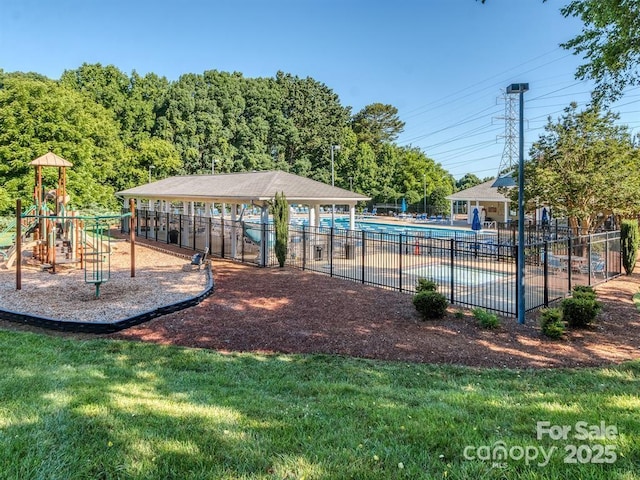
[418,230]
[462,275]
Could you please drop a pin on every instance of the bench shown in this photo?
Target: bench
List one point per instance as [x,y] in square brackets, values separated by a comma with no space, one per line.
[199,258]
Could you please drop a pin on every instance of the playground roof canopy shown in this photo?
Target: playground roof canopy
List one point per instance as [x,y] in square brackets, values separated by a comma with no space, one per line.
[245,187]
[50,159]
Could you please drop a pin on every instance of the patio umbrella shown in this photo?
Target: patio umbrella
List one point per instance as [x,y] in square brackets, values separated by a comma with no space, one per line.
[403,206]
[475,223]
[545,216]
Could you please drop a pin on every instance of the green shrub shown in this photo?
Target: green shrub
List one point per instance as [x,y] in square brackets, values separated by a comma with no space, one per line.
[584,291]
[629,244]
[430,304]
[486,319]
[280,208]
[551,322]
[579,312]
[426,285]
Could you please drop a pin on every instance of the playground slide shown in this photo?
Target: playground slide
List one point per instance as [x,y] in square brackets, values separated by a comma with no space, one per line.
[254,233]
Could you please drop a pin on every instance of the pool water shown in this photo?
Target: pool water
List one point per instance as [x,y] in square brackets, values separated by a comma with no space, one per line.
[420,230]
[472,277]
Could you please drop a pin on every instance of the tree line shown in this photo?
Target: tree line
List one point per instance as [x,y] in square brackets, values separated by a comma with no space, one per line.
[118,129]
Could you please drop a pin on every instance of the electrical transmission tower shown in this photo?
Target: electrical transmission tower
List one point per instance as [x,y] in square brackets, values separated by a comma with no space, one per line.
[510,153]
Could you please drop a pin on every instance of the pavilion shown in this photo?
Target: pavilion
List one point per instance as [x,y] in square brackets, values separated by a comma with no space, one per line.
[236,191]
[489,201]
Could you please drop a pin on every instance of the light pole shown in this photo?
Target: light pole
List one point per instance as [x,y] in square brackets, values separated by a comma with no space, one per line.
[351,183]
[151,167]
[424,178]
[213,166]
[520,88]
[333,206]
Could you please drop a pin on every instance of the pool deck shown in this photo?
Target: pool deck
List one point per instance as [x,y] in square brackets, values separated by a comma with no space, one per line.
[405,222]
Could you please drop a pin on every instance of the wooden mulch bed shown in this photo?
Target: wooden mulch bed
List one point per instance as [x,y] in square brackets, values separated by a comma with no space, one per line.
[290,311]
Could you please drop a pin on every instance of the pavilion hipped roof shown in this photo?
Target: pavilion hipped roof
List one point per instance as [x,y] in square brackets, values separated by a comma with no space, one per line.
[482,193]
[243,188]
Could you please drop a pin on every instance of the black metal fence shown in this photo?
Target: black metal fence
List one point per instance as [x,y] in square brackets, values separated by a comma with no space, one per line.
[473,269]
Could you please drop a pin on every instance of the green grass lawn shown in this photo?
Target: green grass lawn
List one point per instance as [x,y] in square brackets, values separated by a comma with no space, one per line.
[72,409]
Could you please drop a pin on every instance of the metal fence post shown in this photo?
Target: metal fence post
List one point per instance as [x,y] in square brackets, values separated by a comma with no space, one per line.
[304,246]
[569,248]
[330,253]
[242,246]
[402,247]
[589,259]
[606,259]
[209,238]
[222,238]
[263,245]
[194,231]
[452,244]
[362,233]
[545,273]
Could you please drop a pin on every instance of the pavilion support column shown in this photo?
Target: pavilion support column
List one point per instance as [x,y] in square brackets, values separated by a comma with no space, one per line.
[184,231]
[234,231]
[451,212]
[316,213]
[312,216]
[506,212]
[352,217]
[264,243]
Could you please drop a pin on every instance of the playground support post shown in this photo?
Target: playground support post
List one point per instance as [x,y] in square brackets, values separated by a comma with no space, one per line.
[18,244]
[132,235]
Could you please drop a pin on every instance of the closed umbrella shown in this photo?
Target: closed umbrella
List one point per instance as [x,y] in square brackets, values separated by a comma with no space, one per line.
[545,216]
[475,223]
[403,206]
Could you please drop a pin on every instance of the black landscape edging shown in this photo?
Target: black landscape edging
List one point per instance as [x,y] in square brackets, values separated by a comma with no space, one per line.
[107,327]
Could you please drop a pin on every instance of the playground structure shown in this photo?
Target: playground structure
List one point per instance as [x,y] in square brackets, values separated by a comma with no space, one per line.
[59,237]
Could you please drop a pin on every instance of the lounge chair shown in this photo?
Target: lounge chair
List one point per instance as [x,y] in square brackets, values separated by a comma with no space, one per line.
[554,263]
[597,267]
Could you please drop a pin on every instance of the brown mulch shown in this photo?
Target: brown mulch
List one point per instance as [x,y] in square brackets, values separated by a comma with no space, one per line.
[290,311]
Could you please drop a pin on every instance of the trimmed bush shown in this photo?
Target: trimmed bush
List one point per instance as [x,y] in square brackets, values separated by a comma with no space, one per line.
[579,312]
[426,285]
[629,239]
[584,291]
[430,304]
[485,319]
[280,208]
[551,322]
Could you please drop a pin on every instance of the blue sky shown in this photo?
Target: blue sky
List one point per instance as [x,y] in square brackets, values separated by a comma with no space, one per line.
[443,63]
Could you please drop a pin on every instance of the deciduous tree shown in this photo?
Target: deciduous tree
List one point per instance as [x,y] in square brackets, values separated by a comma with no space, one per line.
[582,167]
